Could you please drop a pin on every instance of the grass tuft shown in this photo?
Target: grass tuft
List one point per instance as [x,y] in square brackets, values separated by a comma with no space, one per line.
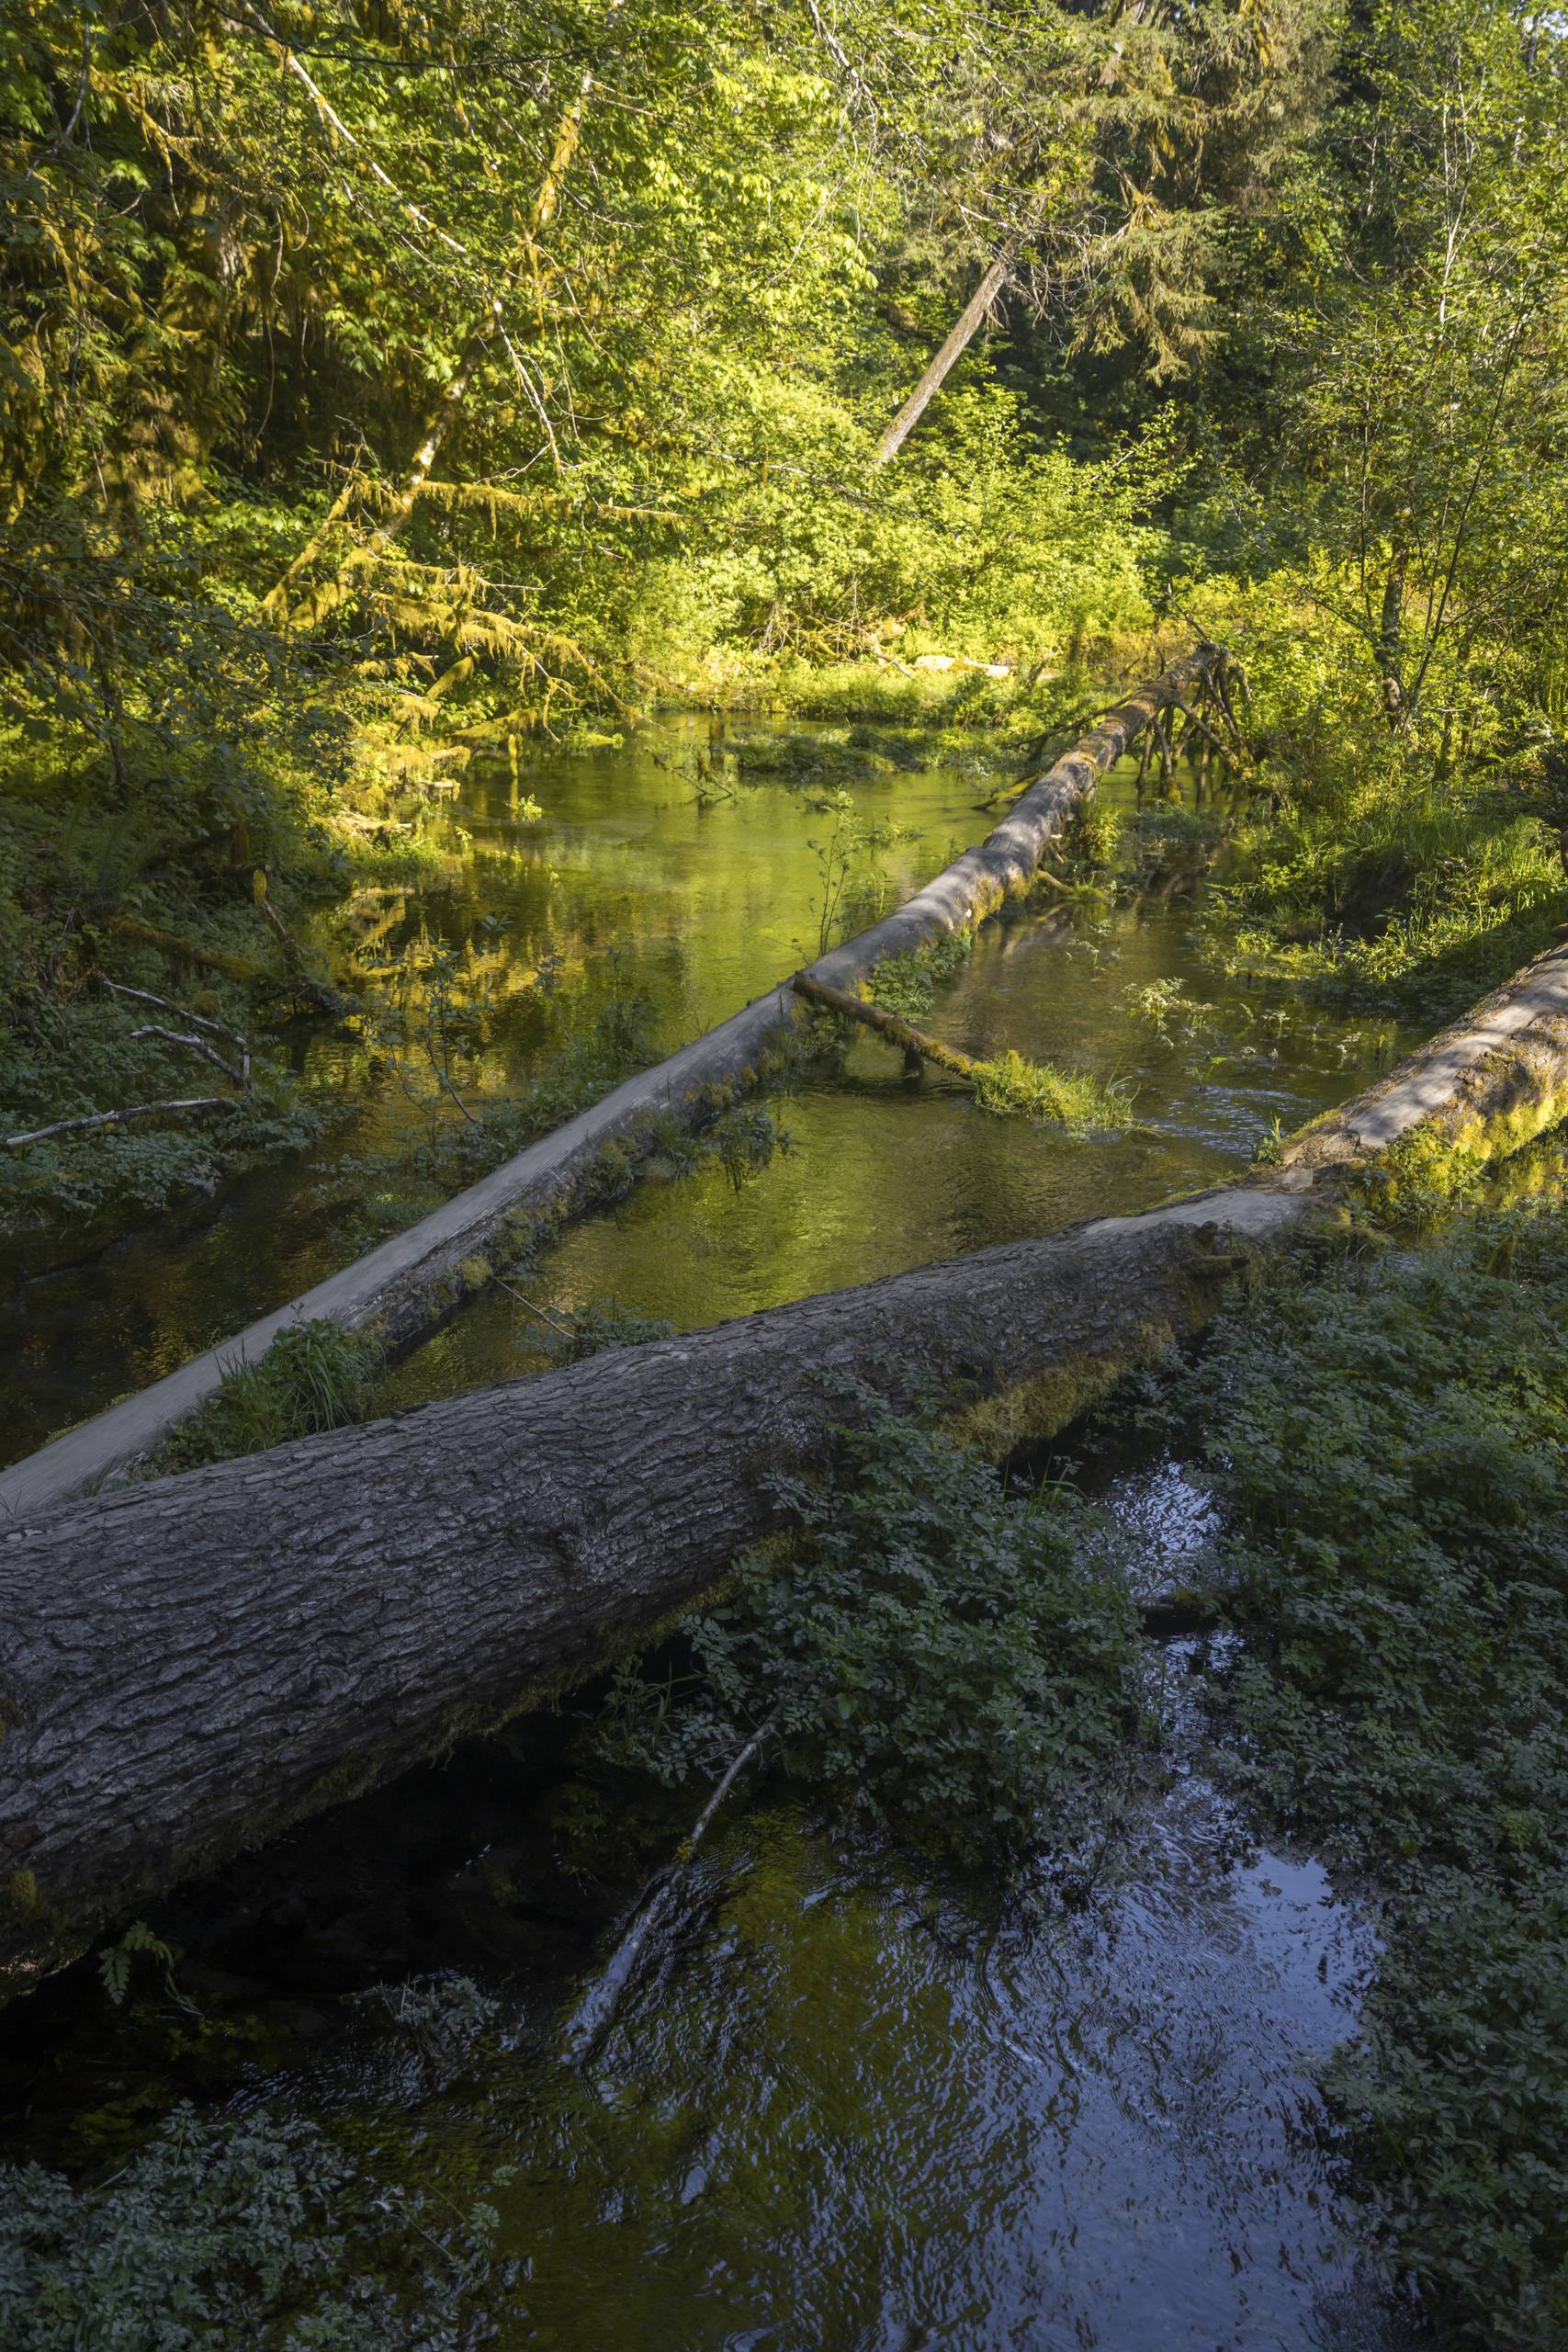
[1009,1087]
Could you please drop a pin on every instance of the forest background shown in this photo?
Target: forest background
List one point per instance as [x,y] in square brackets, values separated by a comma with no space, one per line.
[382,386]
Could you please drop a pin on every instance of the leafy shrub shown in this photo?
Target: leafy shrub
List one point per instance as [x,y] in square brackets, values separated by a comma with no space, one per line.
[574,1333]
[1389,1445]
[942,1657]
[255,2236]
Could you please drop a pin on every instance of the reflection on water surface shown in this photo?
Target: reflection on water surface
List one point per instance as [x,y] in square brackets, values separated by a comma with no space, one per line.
[838,2109]
[629,885]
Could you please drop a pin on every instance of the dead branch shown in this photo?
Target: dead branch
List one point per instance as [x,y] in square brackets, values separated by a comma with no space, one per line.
[597,2007]
[114,1118]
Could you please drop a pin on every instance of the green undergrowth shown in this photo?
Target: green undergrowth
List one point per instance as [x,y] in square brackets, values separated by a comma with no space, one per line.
[1403,894]
[155,874]
[255,2234]
[941,1656]
[1385,1433]
[313,1377]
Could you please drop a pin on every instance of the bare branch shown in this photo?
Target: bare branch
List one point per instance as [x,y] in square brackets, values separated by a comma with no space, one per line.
[114,1118]
[198,1046]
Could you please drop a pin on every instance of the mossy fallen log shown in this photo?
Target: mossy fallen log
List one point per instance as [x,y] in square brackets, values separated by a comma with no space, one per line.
[404,1287]
[193,1664]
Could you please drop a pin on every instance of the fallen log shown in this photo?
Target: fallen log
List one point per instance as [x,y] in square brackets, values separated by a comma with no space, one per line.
[409,1283]
[889,1026]
[194,1664]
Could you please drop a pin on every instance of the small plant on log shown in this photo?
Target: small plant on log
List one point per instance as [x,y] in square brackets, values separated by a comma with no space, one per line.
[313,1377]
[568,1335]
[906,985]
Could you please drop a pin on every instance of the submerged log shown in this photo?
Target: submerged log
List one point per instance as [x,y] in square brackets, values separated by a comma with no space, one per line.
[889,1026]
[194,1664]
[409,1283]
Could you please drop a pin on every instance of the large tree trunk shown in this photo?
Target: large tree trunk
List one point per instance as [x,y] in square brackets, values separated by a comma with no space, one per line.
[193,1664]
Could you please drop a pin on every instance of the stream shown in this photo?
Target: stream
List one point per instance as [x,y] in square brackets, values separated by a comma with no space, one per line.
[630,885]
[835,2108]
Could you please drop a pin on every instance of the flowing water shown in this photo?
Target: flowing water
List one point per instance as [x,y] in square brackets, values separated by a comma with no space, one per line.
[834,2109]
[630,884]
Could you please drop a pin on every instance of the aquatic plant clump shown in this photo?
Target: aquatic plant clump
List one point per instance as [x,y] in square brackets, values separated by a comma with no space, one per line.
[1012,1087]
[1387,1439]
[954,1664]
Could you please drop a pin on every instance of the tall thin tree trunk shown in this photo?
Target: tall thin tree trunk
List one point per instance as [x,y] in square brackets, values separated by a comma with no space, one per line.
[965,329]
[1390,639]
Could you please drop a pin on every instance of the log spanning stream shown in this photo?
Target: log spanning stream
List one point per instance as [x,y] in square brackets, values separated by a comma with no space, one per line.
[629,886]
[829,2112]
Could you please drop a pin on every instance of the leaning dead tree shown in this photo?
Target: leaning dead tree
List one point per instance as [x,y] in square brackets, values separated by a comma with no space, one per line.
[409,1283]
[194,1664]
[959,337]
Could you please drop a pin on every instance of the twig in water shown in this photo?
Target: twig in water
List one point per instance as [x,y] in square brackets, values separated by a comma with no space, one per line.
[444,1080]
[544,1314]
[597,2006]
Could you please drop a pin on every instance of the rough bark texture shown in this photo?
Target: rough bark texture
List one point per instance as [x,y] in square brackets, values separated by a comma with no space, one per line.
[412,1281]
[193,1664]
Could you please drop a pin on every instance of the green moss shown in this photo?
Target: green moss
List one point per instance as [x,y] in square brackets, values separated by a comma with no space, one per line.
[1434,1170]
[1028,1412]
[22,1894]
